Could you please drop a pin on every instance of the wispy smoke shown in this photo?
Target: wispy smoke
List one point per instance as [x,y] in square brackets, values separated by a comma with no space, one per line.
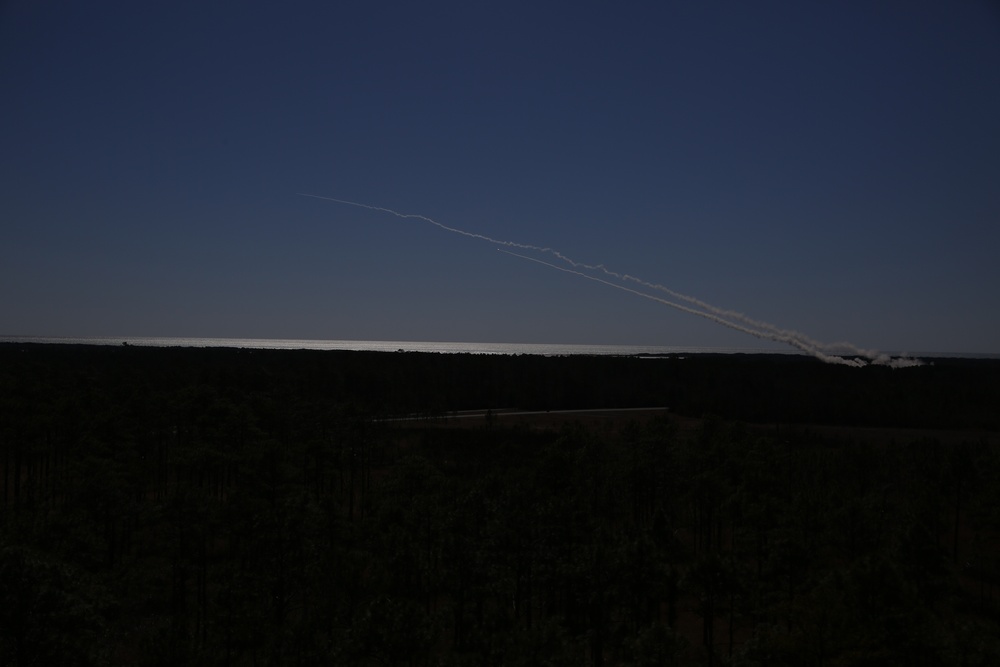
[836,353]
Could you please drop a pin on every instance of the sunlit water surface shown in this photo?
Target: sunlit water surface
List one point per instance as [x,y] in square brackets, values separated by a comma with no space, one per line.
[545,349]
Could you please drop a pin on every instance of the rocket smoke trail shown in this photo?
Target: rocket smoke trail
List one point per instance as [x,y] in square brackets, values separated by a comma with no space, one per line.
[794,342]
[732,319]
[509,244]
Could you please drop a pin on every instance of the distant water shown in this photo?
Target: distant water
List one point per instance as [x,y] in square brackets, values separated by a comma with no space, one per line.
[543,349]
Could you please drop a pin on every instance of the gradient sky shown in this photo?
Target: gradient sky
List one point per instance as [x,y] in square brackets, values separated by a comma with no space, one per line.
[829,167]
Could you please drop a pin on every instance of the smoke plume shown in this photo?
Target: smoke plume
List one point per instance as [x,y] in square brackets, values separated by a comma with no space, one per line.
[843,353]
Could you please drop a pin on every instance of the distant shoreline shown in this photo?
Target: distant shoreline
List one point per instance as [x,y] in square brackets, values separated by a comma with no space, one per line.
[442,347]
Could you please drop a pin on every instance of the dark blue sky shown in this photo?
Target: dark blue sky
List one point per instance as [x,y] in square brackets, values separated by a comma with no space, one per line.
[831,168]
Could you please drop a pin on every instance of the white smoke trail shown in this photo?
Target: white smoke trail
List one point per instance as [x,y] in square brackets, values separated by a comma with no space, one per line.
[729,318]
[701,313]
[509,244]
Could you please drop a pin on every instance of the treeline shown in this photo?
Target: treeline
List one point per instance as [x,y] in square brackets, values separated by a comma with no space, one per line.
[182,507]
[946,393]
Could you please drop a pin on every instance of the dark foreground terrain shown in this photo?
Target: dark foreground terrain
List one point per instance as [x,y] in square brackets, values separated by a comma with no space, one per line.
[237,507]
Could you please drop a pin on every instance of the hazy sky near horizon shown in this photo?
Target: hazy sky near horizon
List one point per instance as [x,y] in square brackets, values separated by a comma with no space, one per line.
[828,167]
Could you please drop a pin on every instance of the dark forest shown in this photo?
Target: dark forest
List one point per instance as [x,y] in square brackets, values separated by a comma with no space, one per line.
[187,506]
